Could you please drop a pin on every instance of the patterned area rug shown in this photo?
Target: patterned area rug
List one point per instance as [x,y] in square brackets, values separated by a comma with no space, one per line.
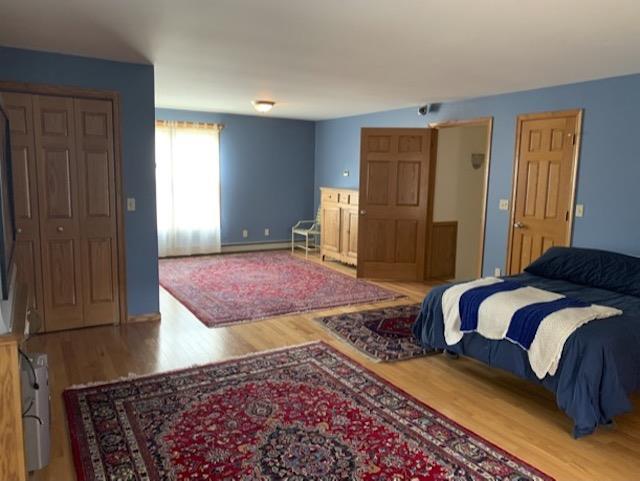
[233,288]
[302,413]
[383,334]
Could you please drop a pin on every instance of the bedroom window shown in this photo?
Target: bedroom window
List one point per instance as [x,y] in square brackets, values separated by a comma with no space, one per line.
[188,188]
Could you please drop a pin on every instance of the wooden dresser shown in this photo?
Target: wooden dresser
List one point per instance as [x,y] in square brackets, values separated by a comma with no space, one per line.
[339,224]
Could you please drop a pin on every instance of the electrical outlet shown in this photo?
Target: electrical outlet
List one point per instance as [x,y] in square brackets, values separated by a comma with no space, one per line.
[580,210]
[345,173]
[245,233]
[504,204]
[497,272]
[267,233]
[131,204]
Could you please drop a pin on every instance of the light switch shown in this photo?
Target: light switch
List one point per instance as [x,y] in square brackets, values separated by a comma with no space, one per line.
[245,233]
[579,210]
[504,204]
[131,204]
[345,173]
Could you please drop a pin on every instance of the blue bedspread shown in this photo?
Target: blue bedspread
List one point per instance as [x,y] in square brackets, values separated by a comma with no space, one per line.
[600,364]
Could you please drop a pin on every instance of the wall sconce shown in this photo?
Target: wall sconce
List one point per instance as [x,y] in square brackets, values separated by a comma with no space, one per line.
[477,160]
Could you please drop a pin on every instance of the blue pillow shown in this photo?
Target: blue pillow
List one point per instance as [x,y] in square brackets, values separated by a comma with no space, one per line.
[590,267]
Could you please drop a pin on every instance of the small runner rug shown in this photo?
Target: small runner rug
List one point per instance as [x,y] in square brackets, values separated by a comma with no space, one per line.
[234,288]
[382,334]
[301,413]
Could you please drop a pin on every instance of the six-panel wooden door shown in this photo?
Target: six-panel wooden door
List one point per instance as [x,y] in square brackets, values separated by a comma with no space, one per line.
[395,171]
[544,185]
[64,183]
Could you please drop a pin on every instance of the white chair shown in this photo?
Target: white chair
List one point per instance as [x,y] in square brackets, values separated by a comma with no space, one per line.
[306,228]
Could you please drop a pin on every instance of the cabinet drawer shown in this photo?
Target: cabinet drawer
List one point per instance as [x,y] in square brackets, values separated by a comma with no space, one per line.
[330,196]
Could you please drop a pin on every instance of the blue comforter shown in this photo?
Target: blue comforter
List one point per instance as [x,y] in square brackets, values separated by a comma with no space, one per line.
[600,363]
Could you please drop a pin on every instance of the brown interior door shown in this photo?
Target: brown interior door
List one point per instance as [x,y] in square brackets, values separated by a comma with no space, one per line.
[58,206]
[396,167]
[547,146]
[97,210]
[19,108]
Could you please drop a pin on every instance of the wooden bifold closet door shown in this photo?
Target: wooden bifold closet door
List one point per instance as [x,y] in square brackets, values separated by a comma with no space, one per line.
[64,186]
[97,210]
[19,108]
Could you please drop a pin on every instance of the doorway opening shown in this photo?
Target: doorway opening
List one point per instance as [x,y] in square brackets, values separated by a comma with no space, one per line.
[460,198]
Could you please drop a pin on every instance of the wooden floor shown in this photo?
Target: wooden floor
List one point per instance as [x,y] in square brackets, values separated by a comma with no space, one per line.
[519,417]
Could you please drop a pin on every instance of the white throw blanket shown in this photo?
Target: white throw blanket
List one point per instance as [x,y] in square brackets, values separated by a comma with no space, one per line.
[496,312]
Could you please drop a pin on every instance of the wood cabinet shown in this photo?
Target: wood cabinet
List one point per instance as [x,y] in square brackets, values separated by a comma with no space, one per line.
[12,454]
[339,224]
[65,203]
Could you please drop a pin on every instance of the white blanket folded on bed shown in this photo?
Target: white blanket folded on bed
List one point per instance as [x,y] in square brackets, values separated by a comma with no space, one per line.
[496,312]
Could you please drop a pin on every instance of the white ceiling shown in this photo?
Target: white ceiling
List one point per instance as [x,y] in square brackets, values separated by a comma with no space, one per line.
[328,58]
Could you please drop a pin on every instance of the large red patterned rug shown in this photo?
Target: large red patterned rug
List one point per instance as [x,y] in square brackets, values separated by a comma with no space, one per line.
[302,413]
[382,334]
[232,288]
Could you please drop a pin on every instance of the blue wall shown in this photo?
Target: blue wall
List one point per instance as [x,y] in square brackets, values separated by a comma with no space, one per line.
[270,177]
[135,84]
[609,172]
[266,173]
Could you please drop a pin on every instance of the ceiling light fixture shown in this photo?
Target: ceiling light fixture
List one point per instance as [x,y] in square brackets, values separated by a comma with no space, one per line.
[263,106]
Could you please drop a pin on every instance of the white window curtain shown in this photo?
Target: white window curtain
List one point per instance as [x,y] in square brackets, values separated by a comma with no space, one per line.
[188,188]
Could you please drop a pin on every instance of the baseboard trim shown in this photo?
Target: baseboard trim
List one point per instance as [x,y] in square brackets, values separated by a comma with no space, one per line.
[262,246]
[151,317]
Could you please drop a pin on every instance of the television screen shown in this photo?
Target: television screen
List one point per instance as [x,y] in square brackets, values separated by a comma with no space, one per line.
[7,221]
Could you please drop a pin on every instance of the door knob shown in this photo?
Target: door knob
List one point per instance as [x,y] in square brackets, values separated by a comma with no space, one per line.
[19,230]
[60,228]
[519,225]
[363,212]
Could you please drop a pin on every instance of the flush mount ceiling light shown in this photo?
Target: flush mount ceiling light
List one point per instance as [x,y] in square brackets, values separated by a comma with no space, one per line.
[263,106]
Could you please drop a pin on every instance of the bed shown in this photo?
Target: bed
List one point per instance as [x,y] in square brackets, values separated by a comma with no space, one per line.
[600,363]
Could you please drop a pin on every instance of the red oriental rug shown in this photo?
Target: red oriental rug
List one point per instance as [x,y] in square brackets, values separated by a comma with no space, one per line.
[302,413]
[233,288]
[382,334]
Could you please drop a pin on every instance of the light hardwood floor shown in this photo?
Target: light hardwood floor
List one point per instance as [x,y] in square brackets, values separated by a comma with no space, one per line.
[518,416]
